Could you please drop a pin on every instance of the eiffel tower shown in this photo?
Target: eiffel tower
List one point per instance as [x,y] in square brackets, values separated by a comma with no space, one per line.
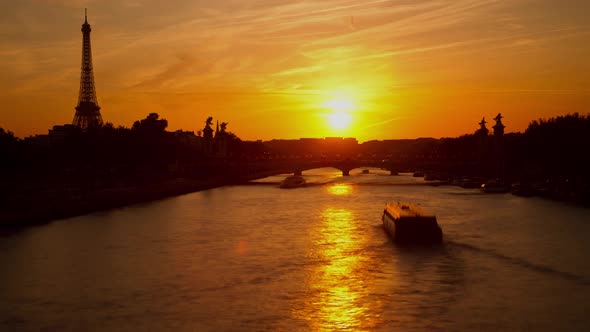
[87,110]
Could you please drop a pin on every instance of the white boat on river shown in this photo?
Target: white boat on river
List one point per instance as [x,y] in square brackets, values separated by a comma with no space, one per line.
[408,224]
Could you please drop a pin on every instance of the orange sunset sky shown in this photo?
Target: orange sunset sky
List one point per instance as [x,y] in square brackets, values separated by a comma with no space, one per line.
[288,69]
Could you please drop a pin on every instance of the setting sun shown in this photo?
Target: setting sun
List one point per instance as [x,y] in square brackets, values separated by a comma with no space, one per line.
[340,105]
[340,118]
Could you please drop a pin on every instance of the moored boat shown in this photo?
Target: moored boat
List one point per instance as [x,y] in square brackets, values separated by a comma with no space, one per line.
[470,183]
[495,186]
[293,181]
[522,189]
[408,224]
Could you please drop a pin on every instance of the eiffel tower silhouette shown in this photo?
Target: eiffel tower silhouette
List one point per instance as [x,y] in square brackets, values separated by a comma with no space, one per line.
[87,110]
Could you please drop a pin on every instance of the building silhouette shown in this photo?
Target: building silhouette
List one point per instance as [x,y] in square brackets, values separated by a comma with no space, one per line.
[87,110]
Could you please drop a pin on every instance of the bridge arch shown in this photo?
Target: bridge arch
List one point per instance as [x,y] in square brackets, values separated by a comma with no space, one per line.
[344,166]
[300,170]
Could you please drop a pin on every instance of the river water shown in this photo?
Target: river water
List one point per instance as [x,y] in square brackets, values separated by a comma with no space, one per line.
[260,258]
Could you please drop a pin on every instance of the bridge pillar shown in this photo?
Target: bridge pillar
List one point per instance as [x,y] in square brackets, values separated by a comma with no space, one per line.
[393,172]
[298,172]
[346,172]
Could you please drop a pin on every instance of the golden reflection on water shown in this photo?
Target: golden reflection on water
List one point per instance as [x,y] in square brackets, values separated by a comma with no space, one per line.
[340,189]
[241,248]
[338,296]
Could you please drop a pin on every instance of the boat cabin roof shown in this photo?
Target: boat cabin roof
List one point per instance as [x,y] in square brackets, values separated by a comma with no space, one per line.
[400,210]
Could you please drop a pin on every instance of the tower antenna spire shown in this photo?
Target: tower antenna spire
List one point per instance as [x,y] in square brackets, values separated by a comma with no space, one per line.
[85,15]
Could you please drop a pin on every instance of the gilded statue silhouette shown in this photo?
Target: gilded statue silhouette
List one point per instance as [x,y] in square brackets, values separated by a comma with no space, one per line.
[223,127]
[208,131]
[482,124]
[498,119]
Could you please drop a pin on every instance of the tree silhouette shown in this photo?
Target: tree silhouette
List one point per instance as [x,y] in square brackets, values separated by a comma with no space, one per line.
[152,124]
[559,145]
[8,149]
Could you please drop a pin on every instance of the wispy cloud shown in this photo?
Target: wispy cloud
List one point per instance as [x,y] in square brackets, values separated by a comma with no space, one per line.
[381,123]
[299,48]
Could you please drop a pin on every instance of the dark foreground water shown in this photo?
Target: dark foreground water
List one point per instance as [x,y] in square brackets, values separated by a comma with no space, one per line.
[251,258]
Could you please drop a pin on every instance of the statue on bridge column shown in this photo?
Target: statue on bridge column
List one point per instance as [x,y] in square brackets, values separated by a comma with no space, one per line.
[208,131]
[208,135]
[499,127]
[482,142]
[221,139]
[482,127]
[499,145]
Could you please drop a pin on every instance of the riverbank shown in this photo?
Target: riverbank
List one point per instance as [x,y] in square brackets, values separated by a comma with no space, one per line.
[43,207]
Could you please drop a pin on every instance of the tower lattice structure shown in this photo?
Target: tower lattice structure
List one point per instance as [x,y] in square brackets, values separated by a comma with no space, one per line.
[87,110]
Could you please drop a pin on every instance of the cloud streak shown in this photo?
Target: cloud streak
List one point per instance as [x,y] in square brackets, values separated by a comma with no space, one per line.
[293,48]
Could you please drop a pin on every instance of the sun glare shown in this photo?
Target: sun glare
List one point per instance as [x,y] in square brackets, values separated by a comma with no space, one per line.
[340,105]
[340,118]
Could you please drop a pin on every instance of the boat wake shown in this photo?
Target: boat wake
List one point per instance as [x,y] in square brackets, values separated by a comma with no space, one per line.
[583,280]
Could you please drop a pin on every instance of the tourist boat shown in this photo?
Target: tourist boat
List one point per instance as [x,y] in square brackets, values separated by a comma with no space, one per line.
[408,224]
[470,183]
[418,174]
[293,181]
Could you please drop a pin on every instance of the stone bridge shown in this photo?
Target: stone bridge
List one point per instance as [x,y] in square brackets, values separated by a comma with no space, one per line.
[297,166]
